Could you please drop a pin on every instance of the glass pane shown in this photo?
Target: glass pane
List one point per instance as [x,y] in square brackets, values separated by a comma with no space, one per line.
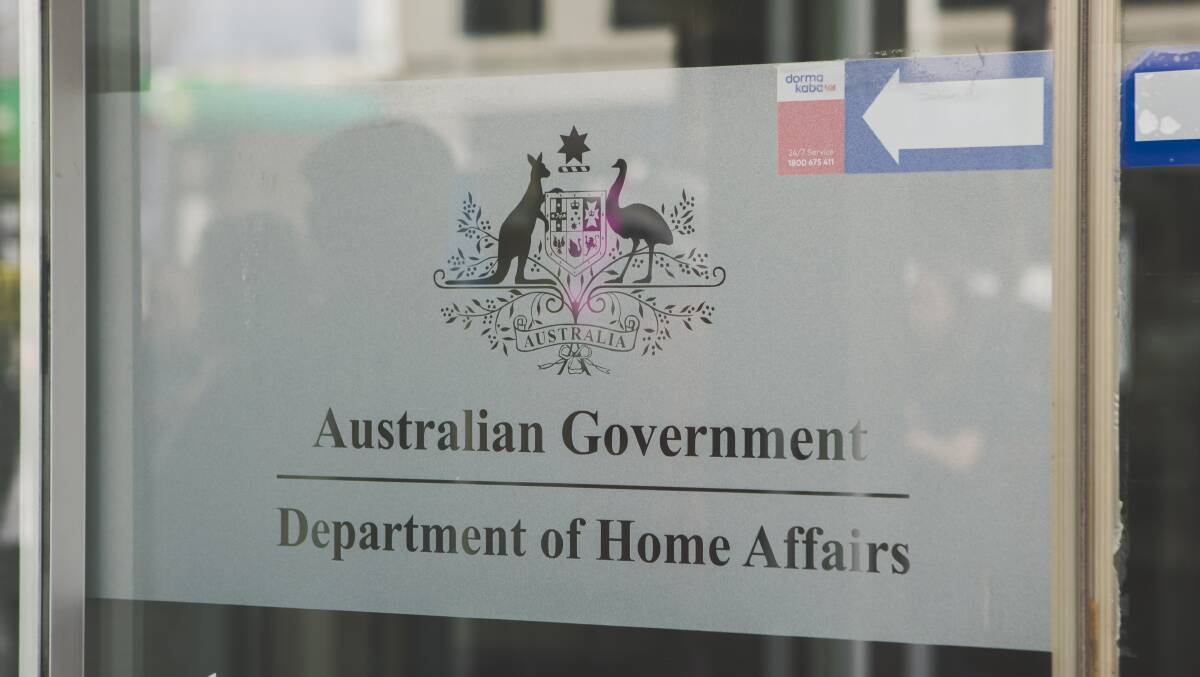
[1161,265]
[9,337]
[388,295]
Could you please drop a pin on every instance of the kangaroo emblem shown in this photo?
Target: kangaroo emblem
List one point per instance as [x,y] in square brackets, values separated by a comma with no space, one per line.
[516,233]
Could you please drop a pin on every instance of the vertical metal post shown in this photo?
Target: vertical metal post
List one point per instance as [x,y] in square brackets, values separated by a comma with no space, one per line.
[1085,515]
[54,344]
[856,28]
[1102,223]
[29,624]
[781,31]
[1065,517]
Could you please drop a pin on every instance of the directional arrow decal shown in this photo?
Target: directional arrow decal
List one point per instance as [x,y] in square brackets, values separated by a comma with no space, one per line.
[944,113]
[957,114]
[948,113]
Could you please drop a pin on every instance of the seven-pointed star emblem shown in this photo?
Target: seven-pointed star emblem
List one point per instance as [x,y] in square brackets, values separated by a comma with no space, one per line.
[573,145]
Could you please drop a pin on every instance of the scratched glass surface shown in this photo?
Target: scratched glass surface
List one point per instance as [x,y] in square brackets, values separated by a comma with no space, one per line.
[263,266]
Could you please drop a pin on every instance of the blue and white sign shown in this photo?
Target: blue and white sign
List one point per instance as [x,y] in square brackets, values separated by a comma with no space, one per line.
[1160,110]
[976,112]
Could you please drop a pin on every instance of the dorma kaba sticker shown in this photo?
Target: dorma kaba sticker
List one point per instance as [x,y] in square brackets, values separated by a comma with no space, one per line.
[553,276]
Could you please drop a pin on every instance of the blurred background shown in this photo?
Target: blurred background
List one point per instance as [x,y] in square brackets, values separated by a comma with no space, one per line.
[9,317]
[189,44]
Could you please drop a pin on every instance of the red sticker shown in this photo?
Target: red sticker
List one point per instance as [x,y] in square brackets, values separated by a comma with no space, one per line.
[811,137]
[811,118]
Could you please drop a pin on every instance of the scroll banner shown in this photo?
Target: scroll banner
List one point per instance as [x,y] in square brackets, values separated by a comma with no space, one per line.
[620,340]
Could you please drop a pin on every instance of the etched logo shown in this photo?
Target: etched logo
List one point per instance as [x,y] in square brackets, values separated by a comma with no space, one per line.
[568,293]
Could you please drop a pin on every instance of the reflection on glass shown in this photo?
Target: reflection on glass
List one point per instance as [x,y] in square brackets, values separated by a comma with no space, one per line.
[502,16]
[217,214]
[9,319]
[1160,247]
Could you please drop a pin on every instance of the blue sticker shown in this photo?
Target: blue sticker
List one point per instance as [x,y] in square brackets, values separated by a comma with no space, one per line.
[1160,110]
[977,112]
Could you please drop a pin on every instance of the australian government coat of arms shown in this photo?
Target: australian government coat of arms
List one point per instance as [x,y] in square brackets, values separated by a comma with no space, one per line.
[553,276]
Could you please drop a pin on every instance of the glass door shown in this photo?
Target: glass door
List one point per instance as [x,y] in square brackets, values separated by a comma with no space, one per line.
[583,337]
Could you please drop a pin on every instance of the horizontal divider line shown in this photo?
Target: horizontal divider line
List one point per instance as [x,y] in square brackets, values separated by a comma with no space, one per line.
[610,487]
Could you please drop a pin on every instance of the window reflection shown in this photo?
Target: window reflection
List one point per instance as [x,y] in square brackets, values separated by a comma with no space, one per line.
[487,17]
[9,327]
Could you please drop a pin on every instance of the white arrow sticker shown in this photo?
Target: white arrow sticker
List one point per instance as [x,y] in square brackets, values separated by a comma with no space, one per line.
[957,114]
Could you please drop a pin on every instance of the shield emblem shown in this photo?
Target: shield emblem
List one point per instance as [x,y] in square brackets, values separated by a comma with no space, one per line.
[578,232]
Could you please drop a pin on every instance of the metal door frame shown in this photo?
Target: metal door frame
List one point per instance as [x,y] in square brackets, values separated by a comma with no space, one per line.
[53,337]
